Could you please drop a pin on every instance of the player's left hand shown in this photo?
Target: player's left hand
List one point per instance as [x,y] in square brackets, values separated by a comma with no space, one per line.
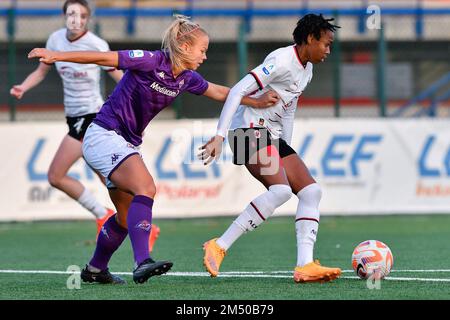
[212,149]
[268,99]
[44,55]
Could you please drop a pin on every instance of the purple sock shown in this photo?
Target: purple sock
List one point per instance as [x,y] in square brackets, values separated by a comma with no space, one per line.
[109,239]
[139,222]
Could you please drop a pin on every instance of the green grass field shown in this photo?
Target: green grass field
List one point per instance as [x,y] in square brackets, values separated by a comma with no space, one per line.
[420,245]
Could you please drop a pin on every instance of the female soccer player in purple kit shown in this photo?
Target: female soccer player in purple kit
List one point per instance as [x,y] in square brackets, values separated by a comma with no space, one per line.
[152,81]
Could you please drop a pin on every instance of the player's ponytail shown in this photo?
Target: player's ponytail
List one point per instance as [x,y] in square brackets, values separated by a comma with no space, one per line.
[180,31]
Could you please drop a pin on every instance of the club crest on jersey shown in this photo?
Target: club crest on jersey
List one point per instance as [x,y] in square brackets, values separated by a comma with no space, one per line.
[261,121]
[268,68]
[136,53]
[181,84]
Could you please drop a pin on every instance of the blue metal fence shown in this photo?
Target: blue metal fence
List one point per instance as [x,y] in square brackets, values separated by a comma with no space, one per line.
[250,12]
[246,13]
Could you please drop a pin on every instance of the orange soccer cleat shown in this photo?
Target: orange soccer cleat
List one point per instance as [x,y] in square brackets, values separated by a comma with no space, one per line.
[154,234]
[101,221]
[213,257]
[314,272]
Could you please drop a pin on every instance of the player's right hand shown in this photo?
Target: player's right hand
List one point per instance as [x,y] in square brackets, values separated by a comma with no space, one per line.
[17,91]
[210,150]
[268,99]
[44,55]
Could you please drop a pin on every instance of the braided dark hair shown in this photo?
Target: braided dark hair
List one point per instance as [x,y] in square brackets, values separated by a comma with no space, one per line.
[312,24]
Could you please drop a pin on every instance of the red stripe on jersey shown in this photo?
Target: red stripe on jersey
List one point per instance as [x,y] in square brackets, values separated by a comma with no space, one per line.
[260,85]
[257,211]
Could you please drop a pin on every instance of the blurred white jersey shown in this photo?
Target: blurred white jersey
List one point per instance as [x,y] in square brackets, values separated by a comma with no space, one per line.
[283,72]
[81,82]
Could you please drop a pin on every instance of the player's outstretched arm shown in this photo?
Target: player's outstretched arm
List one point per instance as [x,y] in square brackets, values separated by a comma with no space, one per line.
[110,58]
[220,93]
[213,148]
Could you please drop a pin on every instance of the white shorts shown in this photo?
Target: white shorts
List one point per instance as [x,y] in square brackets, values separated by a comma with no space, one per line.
[105,151]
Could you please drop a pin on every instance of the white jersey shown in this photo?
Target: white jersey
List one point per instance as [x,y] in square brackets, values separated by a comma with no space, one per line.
[81,82]
[283,72]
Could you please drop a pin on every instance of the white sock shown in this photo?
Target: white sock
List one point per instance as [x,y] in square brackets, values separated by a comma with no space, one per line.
[88,201]
[307,222]
[305,241]
[256,213]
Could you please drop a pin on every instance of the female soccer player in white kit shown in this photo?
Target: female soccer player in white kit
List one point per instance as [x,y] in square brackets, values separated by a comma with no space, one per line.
[82,101]
[260,139]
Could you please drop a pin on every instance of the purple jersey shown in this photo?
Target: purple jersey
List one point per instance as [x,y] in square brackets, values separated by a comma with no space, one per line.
[147,87]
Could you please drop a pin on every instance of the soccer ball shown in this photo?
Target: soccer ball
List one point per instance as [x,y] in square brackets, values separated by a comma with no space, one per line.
[372,259]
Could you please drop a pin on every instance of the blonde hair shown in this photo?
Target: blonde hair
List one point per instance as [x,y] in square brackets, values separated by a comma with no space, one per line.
[182,30]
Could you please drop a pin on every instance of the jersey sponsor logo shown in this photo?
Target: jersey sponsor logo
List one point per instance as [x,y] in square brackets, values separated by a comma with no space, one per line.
[295,88]
[155,86]
[72,74]
[268,68]
[136,53]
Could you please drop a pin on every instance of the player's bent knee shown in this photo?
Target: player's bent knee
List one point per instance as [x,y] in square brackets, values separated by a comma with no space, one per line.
[308,205]
[151,192]
[54,179]
[148,191]
[282,193]
[311,193]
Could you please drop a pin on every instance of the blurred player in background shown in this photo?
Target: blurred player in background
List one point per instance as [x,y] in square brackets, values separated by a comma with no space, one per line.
[152,81]
[260,139]
[82,101]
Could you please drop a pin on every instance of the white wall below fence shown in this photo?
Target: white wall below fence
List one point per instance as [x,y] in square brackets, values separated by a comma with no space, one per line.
[364,166]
